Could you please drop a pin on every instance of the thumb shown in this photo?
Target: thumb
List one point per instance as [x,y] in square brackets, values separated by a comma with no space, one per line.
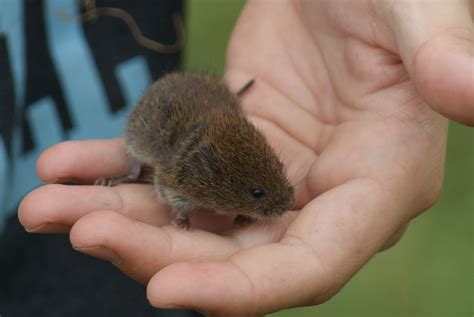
[436,42]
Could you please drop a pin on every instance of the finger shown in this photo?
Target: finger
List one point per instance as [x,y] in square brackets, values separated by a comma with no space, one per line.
[140,249]
[55,208]
[436,41]
[83,161]
[327,243]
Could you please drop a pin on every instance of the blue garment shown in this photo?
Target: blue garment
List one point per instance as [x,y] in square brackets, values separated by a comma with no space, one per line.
[61,78]
[82,88]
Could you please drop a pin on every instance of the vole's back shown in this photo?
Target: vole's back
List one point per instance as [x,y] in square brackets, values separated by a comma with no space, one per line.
[173,116]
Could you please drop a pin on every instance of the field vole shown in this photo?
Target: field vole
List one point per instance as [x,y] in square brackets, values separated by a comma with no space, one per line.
[203,152]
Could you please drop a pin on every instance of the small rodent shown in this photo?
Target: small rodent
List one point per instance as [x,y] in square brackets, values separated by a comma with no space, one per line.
[203,153]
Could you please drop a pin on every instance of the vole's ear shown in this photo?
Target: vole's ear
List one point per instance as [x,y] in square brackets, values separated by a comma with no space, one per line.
[208,153]
[205,163]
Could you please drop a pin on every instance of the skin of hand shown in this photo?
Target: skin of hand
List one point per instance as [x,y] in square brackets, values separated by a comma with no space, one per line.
[353,95]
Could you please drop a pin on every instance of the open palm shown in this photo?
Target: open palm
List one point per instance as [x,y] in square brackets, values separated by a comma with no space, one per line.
[364,151]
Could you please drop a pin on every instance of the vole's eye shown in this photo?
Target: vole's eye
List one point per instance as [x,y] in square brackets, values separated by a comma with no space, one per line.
[257,192]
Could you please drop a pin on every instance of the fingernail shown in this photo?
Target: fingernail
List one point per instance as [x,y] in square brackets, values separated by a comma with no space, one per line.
[100,252]
[169,306]
[52,181]
[48,228]
[35,229]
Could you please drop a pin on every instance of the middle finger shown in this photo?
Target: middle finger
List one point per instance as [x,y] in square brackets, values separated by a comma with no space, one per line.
[139,249]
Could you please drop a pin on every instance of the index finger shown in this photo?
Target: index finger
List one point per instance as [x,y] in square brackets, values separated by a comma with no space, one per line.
[83,161]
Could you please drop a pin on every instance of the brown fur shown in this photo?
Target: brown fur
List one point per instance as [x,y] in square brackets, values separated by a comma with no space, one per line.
[204,152]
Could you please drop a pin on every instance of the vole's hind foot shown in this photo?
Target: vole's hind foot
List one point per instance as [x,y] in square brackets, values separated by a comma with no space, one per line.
[113,181]
[132,176]
[242,221]
[182,222]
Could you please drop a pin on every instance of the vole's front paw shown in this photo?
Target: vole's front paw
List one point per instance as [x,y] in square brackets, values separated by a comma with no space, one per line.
[182,222]
[242,221]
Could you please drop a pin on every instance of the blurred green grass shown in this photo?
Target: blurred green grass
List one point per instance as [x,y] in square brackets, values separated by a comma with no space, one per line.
[430,272]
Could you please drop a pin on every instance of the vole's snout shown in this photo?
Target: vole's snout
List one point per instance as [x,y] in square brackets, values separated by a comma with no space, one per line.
[289,202]
[280,207]
[275,212]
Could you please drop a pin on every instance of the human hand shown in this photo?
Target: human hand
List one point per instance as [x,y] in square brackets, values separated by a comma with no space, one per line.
[365,152]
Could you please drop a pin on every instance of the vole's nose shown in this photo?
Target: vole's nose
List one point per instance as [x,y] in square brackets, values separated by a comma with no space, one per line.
[274,212]
[287,204]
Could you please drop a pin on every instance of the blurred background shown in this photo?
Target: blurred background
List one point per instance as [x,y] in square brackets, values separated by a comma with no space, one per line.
[430,271]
